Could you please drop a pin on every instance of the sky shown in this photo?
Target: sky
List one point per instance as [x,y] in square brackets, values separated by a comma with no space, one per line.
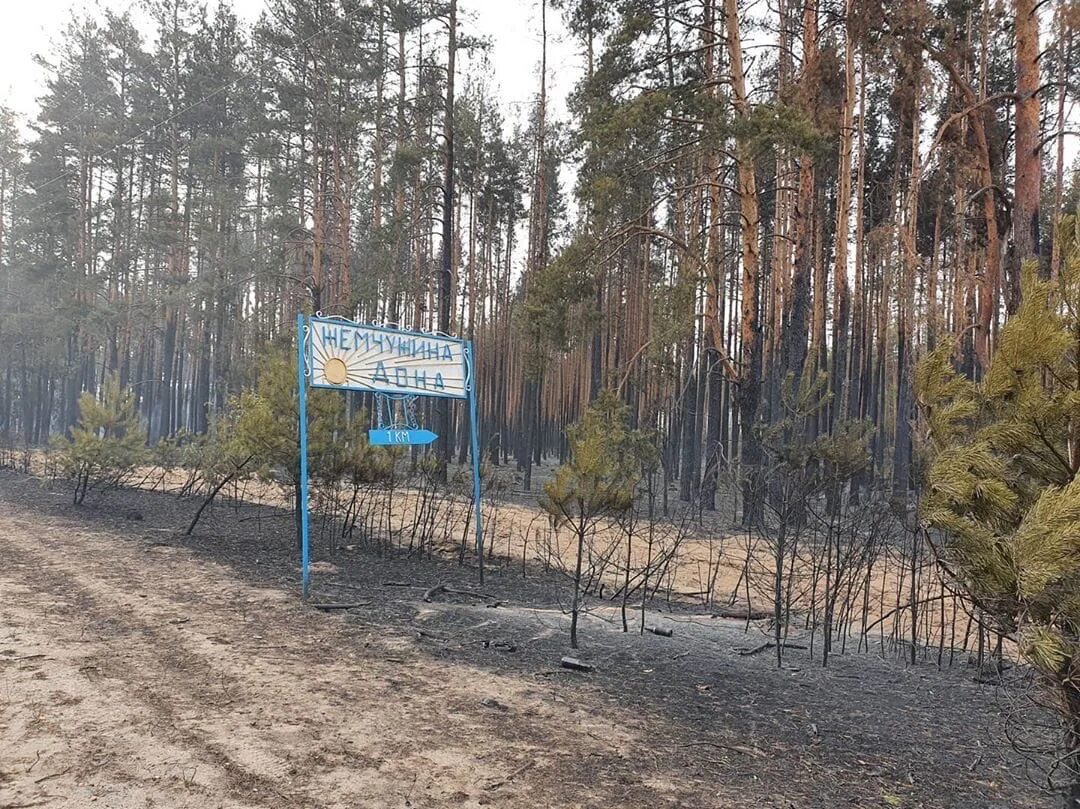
[30,26]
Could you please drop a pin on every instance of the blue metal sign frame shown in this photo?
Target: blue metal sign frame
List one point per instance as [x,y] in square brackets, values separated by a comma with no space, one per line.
[304,375]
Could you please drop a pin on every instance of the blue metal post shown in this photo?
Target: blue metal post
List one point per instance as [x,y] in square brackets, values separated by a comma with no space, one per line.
[301,383]
[475,441]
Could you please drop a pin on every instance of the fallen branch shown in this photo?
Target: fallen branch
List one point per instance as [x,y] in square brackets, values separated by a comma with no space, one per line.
[735,748]
[510,777]
[434,591]
[23,657]
[751,652]
[445,588]
[576,665]
[349,605]
[741,613]
[45,778]
[225,479]
[662,631]
[768,645]
[499,644]
[422,633]
[473,593]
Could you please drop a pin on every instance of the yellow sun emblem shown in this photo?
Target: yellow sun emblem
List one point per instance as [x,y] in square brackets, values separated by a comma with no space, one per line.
[335,371]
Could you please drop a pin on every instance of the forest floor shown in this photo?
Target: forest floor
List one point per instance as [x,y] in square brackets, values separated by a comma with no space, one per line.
[143,668]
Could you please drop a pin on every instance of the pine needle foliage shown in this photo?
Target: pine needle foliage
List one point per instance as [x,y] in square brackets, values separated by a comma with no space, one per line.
[554,310]
[599,480]
[106,443]
[600,477]
[1002,480]
[258,434]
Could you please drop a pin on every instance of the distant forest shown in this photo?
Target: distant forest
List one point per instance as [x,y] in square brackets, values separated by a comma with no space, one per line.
[776,210]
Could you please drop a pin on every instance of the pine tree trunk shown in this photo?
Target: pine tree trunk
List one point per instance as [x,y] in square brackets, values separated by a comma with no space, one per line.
[446,273]
[842,299]
[748,394]
[713,328]
[1028,143]
[688,455]
[575,606]
[1064,48]
[797,316]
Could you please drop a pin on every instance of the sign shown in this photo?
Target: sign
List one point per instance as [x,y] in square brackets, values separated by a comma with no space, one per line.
[393,364]
[395,437]
[353,356]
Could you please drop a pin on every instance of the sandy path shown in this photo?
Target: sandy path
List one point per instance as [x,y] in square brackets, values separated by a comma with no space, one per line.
[132,675]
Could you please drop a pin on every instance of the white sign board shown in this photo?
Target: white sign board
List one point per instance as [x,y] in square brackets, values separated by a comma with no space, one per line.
[350,356]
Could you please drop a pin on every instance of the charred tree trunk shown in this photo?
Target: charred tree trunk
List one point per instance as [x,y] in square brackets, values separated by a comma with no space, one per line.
[446,270]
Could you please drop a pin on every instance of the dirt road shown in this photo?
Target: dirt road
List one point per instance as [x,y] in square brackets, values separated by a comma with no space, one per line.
[136,671]
[135,676]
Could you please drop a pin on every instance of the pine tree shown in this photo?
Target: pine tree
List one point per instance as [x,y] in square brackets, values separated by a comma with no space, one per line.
[599,480]
[106,443]
[1002,481]
[259,431]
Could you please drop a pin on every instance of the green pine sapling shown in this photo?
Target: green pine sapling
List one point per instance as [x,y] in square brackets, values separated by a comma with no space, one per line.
[1002,484]
[106,443]
[597,481]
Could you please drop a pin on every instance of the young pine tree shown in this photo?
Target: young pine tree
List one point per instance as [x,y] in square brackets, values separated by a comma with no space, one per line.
[1002,484]
[107,442]
[598,481]
[259,430]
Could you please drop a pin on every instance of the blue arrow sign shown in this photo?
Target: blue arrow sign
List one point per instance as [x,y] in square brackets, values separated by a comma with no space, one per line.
[385,438]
